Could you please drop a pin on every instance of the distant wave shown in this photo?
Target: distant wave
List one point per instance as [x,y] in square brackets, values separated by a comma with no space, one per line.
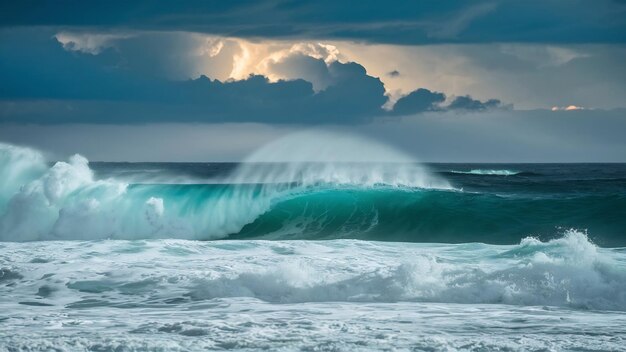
[488,172]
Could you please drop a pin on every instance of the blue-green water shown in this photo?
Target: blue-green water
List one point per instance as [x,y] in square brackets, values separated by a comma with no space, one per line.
[490,203]
[310,256]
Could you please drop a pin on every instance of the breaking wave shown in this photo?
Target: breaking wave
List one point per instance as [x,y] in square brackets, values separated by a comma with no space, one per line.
[569,271]
[66,201]
[270,196]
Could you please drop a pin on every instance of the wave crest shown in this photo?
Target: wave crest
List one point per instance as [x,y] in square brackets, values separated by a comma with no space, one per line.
[65,201]
[487,172]
[565,272]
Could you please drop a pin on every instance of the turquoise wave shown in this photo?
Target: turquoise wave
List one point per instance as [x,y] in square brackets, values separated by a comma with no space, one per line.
[315,202]
[436,216]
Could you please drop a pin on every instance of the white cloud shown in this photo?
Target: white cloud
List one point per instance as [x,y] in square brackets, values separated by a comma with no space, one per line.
[529,76]
[88,43]
[567,108]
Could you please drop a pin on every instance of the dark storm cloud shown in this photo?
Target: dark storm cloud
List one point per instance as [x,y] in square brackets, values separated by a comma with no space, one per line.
[420,100]
[306,67]
[47,83]
[44,83]
[467,103]
[423,100]
[402,22]
[255,99]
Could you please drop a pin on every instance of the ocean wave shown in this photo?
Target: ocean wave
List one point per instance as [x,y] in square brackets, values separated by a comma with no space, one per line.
[488,172]
[66,201]
[433,216]
[565,272]
[392,202]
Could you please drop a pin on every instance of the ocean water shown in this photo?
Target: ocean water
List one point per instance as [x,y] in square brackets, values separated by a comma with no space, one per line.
[310,256]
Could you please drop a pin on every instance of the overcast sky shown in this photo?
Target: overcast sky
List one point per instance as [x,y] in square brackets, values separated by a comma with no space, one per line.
[457,81]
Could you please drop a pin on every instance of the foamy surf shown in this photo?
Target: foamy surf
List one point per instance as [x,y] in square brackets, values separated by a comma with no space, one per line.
[340,294]
[489,172]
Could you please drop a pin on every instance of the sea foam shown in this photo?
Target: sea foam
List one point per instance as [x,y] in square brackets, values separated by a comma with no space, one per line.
[565,272]
[488,172]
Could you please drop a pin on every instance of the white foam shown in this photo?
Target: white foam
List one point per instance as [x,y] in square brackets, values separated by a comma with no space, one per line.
[567,272]
[487,172]
[18,166]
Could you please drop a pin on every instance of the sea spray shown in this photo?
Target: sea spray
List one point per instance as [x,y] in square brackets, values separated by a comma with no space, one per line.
[67,202]
[17,166]
[492,172]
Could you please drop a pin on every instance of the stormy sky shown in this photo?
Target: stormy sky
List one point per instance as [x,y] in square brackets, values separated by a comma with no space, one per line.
[457,81]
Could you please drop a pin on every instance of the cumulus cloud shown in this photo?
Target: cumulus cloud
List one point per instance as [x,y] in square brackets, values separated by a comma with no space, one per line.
[158,77]
[184,55]
[418,101]
[467,103]
[567,108]
[308,61]
[353,97]
[530,76]
[89,43]
[424,100]
[302,66]
[172,55]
